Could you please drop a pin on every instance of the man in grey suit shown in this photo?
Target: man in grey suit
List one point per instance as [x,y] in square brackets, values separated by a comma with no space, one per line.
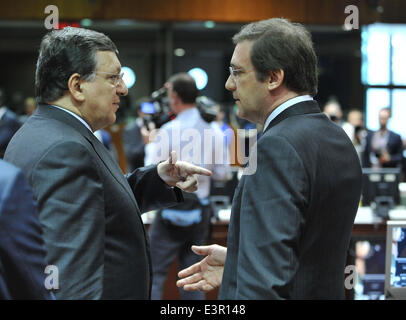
[89,211]
[291,220]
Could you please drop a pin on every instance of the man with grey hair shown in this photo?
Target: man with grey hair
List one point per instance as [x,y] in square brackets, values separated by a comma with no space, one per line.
[89,211]
[291,220]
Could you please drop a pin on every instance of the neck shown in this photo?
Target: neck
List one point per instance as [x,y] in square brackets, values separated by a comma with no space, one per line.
[66,103]
[184,107]
[278,100]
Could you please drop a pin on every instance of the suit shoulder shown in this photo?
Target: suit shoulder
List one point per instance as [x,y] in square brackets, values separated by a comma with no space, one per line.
[396,135]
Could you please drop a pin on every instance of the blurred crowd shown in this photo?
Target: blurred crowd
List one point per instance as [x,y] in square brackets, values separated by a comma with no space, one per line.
[382,148]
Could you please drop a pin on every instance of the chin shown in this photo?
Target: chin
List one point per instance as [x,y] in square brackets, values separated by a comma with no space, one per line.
[240,114]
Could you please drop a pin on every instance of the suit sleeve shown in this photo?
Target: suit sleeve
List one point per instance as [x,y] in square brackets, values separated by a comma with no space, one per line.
[22,253]
[150,191]
[71,206]
[272,206]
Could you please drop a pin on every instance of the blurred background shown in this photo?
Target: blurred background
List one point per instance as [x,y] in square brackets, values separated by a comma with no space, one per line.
[157,38]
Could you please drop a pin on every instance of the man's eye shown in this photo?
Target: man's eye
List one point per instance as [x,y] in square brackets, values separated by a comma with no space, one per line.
[114,77]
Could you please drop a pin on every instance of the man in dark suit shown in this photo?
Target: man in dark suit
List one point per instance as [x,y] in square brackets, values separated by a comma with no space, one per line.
[9,124]
[90,212]
[22,253]
[383,148]
[292,218]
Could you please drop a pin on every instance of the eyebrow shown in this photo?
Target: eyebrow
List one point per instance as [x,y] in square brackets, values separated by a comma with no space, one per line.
[235,66]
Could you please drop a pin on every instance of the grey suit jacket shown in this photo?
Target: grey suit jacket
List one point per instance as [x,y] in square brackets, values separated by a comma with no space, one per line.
[291,221]
[90,213]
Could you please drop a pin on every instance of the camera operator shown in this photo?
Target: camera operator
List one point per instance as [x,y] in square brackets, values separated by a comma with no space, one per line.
[174,230]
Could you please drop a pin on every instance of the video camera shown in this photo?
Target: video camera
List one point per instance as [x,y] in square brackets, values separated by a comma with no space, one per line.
[158,111]
[207,108]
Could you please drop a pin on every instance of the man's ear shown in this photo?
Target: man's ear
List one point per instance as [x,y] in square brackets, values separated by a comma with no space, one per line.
[75,87]
[275,79]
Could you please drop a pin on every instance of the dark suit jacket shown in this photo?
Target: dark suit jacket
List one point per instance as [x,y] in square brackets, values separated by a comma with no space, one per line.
[291,221]
[9,125]
[394,148]
[22,253]
[90,213]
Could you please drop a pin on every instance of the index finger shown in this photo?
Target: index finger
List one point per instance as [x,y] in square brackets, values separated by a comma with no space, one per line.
[198,170]
[173,157]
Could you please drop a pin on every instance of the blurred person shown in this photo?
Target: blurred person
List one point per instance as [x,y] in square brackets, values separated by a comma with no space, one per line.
[30,104]
[333,110]
[355,129]
[383,148]
[9,123]
[174,230]
[304,194]
[22,253]
[89,211]
[221,123]
[355,119]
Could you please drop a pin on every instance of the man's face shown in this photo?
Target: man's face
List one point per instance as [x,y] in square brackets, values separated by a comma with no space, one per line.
[355,118]
[384,116]
[251,95]
[102,95]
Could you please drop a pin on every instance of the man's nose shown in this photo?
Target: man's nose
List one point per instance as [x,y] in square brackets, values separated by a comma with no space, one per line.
[230,84]
[122,89]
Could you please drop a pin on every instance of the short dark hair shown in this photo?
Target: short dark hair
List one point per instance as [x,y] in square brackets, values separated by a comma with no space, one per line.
[282,45]
[388,109]
[63,53]
[185,86]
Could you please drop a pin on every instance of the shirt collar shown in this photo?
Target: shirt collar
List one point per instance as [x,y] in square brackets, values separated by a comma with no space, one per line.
[287,104]
[186,113]
[75,115]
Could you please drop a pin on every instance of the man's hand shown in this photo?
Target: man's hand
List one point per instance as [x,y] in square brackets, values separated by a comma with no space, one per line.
[385,157]
[180,173]
[207,274]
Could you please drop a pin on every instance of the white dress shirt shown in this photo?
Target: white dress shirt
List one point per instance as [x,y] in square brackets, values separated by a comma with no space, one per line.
[287,104]
[195,141]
